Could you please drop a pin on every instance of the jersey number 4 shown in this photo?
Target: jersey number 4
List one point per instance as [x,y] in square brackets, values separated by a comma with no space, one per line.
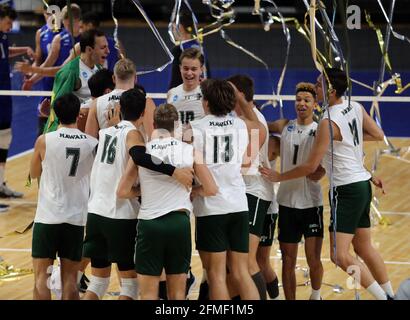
[108,155]
[355,133]
[223,151]
[75,153]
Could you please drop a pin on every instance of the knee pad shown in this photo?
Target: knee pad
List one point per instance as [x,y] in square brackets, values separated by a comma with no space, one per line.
[5,138]
[99,286]
[129,288]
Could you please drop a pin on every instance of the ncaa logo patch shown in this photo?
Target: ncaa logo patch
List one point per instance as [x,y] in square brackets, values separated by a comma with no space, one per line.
[175,98]
[84,74]
[290,128]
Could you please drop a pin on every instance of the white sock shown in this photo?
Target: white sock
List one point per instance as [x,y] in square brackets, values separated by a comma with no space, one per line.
[388,288]
[376,291]
[1,175]
[315,295]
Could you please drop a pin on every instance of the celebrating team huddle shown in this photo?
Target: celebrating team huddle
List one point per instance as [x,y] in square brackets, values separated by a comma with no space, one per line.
[120,178]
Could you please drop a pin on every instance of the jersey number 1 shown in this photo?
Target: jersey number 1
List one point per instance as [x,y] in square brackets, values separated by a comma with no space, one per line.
[295,153]
[75,153]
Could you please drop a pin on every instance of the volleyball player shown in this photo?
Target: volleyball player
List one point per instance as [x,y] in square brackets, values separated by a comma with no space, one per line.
[351,125]
[7,16]
[222,231]
[164,232]
[64,159]
[300,200]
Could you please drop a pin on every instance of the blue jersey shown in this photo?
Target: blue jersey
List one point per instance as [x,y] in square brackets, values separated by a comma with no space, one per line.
[66,44]
[46,37]
[5,84]
[114,54]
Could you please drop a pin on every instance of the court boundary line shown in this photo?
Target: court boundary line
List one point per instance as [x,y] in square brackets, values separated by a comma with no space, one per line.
[19,155]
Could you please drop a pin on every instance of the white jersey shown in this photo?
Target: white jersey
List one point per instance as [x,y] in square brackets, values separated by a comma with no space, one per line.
[104,103]
[187,103]
[256,185]
[65,180]
[347,154]
[85,74]
[274,207]
[295,145]
[161,194]
[223,142]
[109,165]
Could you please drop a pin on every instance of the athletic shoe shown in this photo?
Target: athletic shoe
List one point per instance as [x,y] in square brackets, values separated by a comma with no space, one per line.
[6,192]
[273,289]
[190,283]
[83,284]
[203,291]
[4,207]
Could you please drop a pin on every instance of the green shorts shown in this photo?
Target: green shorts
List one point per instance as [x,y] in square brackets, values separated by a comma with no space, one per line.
[163,243]
[268,230]
[257,212]
[223,232]
[65,240]
[111,240]
[293,223]
[352,203]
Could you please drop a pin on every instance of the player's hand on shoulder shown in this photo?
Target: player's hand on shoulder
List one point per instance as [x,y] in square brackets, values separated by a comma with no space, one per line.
[113,115]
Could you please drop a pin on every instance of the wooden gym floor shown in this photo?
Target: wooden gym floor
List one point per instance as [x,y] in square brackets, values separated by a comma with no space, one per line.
[391,240]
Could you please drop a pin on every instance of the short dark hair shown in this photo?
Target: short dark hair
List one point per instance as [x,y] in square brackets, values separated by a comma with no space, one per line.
[67,108]
[100,81]
[132,104]
[192,53]
[220,96]
[338,80]
[7,11]
[244,84]
[91,17]
[141,88]
[165,116]
[87,38]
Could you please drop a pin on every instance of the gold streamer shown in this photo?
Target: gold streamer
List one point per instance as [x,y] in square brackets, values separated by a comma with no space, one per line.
[10,273]
[379,40]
